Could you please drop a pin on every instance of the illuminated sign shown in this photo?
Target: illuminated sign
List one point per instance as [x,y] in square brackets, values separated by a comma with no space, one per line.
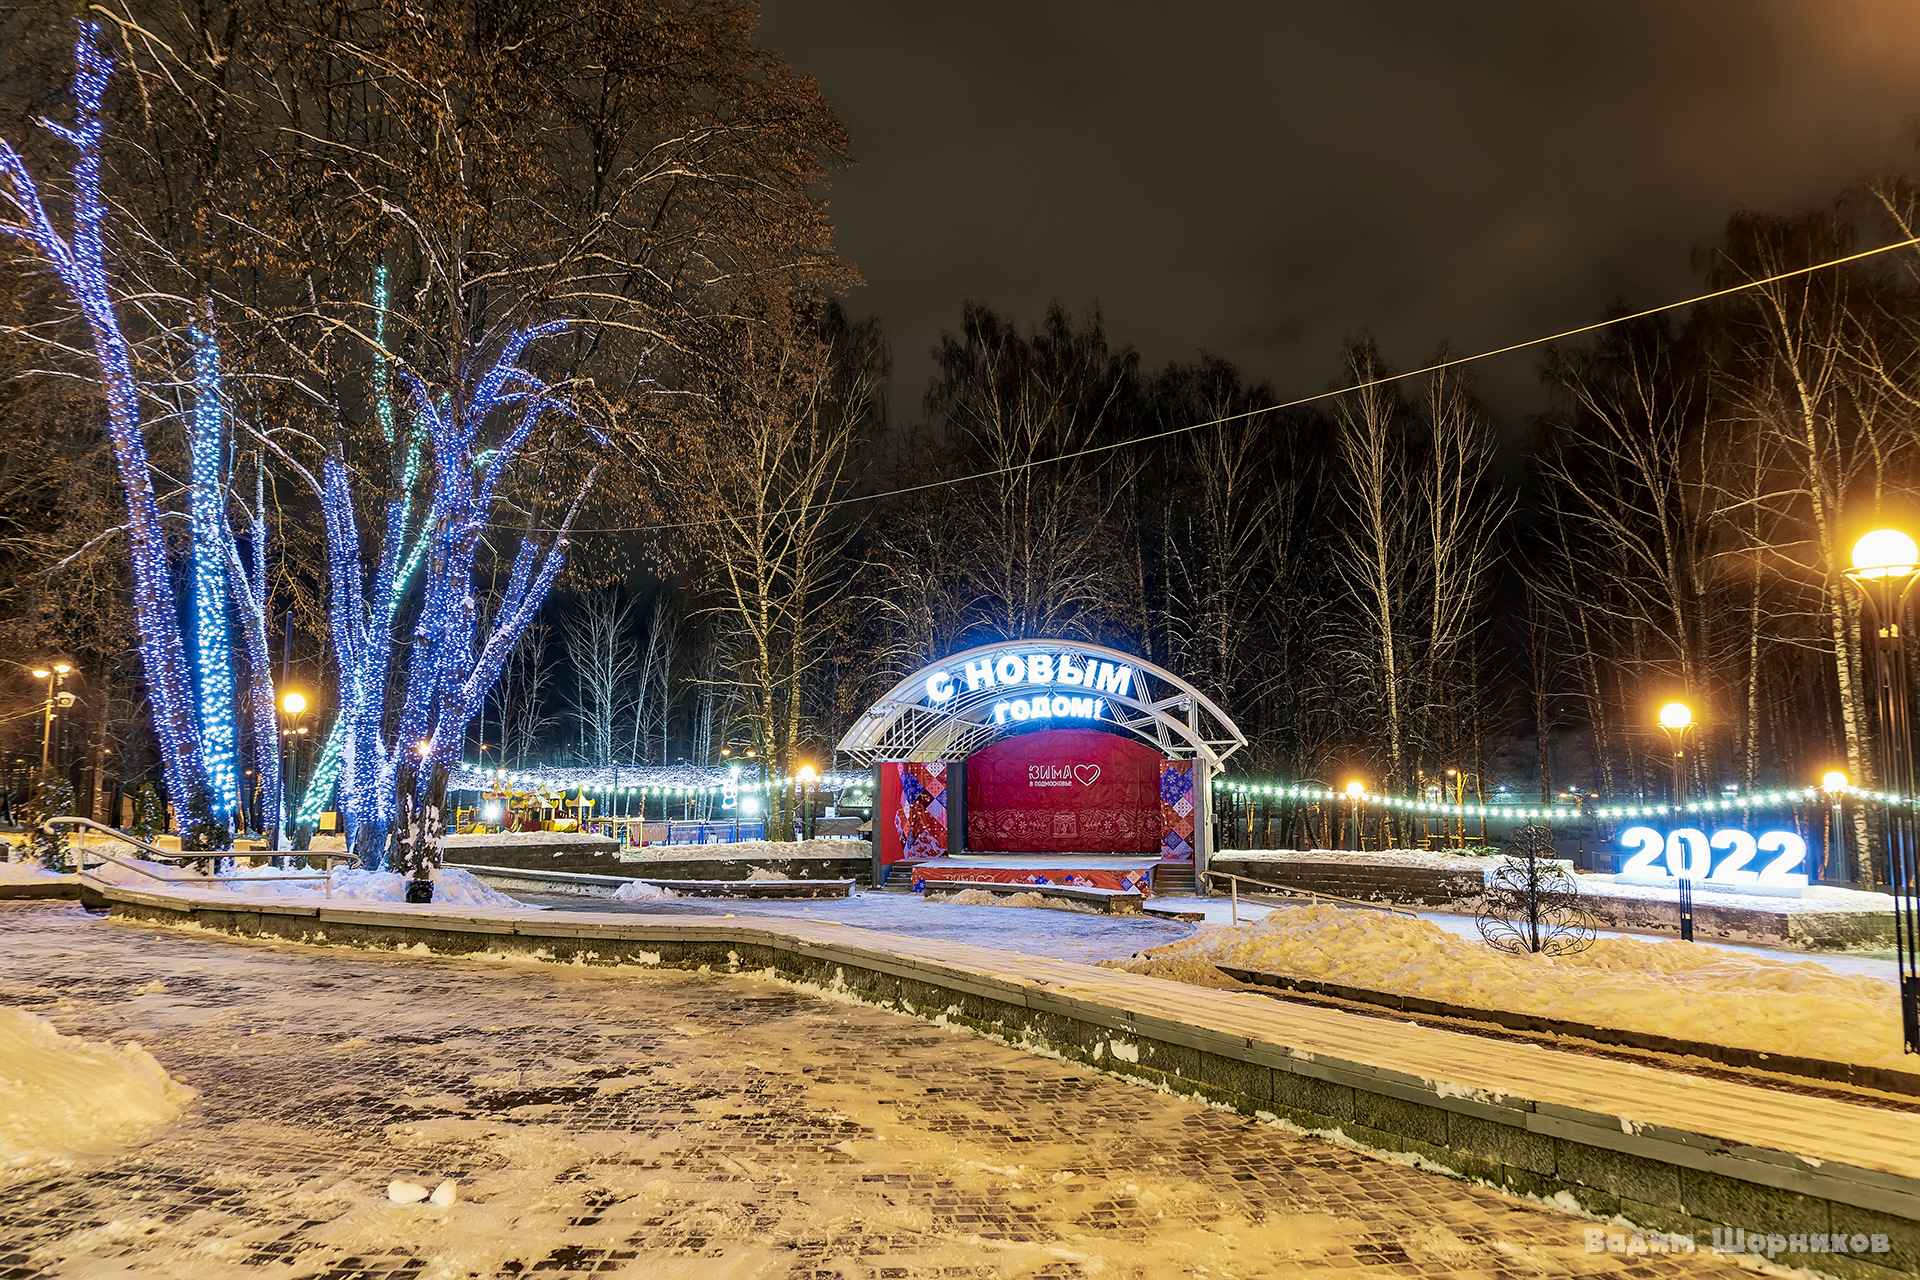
[1010,669]
[1724,861]
[1041,706]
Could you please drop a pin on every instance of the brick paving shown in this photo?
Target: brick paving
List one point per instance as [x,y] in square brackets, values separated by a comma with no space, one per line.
[607,1122]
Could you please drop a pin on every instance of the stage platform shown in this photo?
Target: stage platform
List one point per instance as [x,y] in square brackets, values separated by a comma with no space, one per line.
[1127,872]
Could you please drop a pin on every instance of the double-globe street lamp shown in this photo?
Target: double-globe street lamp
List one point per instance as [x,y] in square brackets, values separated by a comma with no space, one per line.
[1676,718]
[1884,563]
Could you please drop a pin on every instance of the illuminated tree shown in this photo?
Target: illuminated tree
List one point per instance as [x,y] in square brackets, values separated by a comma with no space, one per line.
[79,259]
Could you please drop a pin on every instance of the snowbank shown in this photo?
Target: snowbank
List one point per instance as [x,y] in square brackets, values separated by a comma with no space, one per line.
[451,886]
[30,873]
[641,891]
[767,873]
[1435,858]
[507,839]
[984,898]
[776,849]
[1677,989]
[63,1098]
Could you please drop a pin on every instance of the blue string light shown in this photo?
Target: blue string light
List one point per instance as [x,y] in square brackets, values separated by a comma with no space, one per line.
[213,665]
[81,266]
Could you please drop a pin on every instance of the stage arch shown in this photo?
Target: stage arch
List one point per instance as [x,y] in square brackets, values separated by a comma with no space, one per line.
[951,709]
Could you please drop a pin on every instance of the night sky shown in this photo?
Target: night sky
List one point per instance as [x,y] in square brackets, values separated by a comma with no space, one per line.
[1260,179]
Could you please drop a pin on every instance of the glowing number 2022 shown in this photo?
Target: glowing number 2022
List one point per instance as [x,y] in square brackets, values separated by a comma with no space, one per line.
[1652,845]
[1689,852]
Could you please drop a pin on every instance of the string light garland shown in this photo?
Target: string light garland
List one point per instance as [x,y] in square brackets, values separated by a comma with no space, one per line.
[81,266]
[1259,792]
[213,654]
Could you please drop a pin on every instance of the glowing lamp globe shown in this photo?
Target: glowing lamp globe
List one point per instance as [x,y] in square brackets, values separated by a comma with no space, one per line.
[41,673]
[63,668]
[1833,782]
[1356,789]
[807,775]
[1885,553]
[1676,715]
[294,703]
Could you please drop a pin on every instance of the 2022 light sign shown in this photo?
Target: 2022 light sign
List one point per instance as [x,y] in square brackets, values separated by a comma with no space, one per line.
[1726,860]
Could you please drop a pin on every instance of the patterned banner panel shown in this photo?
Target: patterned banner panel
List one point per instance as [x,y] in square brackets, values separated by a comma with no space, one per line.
[1176,810]
[1139,881]
[912,818]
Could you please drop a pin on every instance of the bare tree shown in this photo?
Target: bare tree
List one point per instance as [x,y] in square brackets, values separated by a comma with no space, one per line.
[601,650]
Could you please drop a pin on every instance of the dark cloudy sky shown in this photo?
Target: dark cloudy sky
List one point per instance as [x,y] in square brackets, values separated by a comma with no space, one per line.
[1259,179]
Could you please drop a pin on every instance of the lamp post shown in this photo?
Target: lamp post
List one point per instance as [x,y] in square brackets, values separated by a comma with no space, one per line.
[1676,718]
[1884,563]
[807,776]
[293,706]
[1355,790]
[1834,783]
[56,678]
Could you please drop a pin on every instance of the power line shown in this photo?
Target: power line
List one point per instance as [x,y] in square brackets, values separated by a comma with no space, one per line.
[1091,450]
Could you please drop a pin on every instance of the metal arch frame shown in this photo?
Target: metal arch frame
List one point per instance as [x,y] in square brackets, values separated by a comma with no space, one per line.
[902,725]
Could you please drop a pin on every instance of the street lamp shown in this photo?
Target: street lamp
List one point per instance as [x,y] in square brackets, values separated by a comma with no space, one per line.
[807,777]
[1676,718]
[56,678]
[1883,570]
[1355,790]
[1834,783]
[293,705]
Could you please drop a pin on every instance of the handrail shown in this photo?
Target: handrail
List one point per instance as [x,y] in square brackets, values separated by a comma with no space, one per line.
[1312,895]
[182,855]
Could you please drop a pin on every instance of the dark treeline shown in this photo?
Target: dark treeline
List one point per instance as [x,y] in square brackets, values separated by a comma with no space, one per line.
[1372,585]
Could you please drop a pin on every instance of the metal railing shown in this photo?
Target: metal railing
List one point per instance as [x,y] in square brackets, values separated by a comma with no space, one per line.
[81,853]
[1311,895]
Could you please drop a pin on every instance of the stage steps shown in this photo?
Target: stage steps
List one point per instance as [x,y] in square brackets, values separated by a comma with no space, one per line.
[1174,877]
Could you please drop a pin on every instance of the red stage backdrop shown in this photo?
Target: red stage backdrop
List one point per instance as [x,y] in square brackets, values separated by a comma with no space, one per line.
[1064,791]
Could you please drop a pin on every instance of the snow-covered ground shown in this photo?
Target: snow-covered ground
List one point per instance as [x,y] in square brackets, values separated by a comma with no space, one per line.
[1679,989]
[63,1099]
[1063,935]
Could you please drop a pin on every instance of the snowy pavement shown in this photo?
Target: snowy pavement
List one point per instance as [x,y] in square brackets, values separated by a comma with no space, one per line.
[1065,936]
[673,1125]
[1034,931]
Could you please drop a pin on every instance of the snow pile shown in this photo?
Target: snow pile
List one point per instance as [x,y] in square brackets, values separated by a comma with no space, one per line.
[776,850]
[1438,859]
[1677,989]
[451,886]
[767,873]
[1813,898]
[987,898]
[505,839]
[641,891]
[29,873]
[63,1098]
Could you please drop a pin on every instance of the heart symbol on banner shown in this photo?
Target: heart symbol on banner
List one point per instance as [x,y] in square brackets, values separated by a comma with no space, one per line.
[1086,774]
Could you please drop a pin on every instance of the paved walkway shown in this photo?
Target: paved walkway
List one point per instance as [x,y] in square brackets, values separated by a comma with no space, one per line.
[674,1124]
[1086,938]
